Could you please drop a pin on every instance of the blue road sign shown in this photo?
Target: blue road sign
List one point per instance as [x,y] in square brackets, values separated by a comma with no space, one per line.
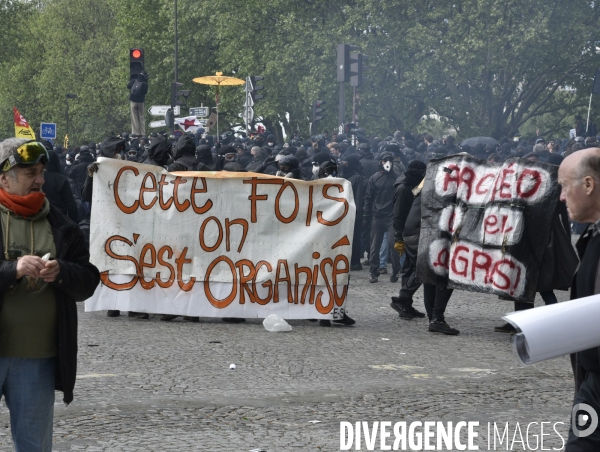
[48,130]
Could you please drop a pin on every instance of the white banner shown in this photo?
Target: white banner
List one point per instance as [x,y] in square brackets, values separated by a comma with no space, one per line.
[220,244]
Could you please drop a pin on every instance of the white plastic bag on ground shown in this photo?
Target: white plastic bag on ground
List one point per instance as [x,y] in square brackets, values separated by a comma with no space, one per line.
[274,324]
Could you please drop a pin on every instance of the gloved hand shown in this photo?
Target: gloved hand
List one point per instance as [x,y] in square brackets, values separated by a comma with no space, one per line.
[270,159]
[399,246]
[92,168]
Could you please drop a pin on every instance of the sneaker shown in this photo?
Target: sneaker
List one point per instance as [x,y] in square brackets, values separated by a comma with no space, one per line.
[394,278]
[416,313]
[440,326]
[346,320]
[401,308]
[383,270]
[506,328]
[168,317]
[356,267]
[191,319]
[324,323]
[113,313]
[233,320]
[373,279]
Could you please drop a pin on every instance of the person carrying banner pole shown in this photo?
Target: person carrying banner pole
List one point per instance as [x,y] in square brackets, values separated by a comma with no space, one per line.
[403,201]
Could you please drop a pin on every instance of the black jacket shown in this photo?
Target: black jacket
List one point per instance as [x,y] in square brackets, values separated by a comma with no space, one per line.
[370,166]
[141,96]
[379,197]
[412,227]
[403,200]
[77,281]
[79,171]
[185,155]
[57,188]
[359,185]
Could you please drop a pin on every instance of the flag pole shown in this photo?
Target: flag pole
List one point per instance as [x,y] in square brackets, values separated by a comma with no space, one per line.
[587,123]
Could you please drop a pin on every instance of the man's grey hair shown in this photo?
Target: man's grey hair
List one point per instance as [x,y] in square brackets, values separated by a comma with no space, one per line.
[7,148]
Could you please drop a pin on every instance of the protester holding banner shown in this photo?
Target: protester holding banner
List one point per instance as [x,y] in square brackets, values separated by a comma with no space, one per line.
[44,270]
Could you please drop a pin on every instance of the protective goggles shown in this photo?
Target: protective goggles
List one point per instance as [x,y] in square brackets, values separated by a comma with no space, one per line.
[28,153]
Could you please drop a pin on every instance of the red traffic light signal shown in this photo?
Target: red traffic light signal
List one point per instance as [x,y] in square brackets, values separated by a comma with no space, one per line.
[136,62]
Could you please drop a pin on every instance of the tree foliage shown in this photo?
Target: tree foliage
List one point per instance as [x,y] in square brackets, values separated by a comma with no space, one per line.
[489,67]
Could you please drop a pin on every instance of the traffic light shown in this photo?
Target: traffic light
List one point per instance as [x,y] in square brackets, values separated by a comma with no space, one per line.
[317,110]
[254,87]
[170,119]
[317,115]
[178,96]
[357,67]
[343,61]
[136,62]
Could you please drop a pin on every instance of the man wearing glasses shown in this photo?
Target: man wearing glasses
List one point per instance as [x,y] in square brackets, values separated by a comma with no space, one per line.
[44,270]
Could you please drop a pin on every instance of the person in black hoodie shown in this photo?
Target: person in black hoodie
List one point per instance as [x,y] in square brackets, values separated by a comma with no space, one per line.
[79,171]
[352,171]
[205,157]
[378,209]
[185,155]
[57,188]
[159,152]
[403,201]
[435,298]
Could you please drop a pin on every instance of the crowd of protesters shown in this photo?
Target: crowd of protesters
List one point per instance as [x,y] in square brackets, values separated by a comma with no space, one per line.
[387,175]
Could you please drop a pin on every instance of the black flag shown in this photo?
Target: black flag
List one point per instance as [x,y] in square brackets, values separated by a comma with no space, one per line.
[596,86]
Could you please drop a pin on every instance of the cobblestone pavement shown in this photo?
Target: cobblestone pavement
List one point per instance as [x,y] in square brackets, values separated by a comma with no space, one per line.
[146,385]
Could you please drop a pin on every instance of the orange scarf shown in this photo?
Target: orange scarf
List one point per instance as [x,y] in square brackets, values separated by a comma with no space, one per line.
[24,206]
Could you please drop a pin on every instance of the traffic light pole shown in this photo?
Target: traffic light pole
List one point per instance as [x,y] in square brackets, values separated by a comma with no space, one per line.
[355,107]
[342,111]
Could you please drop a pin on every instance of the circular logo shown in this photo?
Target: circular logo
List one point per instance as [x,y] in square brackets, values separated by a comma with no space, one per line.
[583,415]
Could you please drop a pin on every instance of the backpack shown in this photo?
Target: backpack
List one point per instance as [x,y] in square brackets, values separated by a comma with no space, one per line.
[136,89]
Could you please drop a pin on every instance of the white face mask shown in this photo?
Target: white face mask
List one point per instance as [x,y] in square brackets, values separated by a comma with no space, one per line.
[270,144]
[387,166]
[315,170]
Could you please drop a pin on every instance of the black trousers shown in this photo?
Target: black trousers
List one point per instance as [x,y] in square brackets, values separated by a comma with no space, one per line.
[409,275]
[589,393]
[357,242]
[378,227]
[436,299]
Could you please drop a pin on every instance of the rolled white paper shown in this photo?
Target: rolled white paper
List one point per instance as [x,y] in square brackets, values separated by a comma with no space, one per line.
[556,330]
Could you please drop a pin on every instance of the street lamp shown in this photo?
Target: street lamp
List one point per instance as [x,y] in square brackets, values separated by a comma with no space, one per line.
[69,96]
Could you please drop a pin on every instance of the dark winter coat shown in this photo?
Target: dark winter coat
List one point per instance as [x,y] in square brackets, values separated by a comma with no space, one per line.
[403,201]
[141,96]
[159,151]
[77,281]
[369,165]
[57,188]
[379,197]
[244,159]
[185,155]
[79,171]
[412,227]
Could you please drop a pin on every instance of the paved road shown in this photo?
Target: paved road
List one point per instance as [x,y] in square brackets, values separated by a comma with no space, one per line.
[150,385]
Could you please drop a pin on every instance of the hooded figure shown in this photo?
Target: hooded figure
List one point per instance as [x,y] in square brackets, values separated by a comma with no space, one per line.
[159,152]
[204,156]
[316,162]
[351,170]
[57,188]
[111,146]
[261,162]
[288,167]
[185,155]
[79,171]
